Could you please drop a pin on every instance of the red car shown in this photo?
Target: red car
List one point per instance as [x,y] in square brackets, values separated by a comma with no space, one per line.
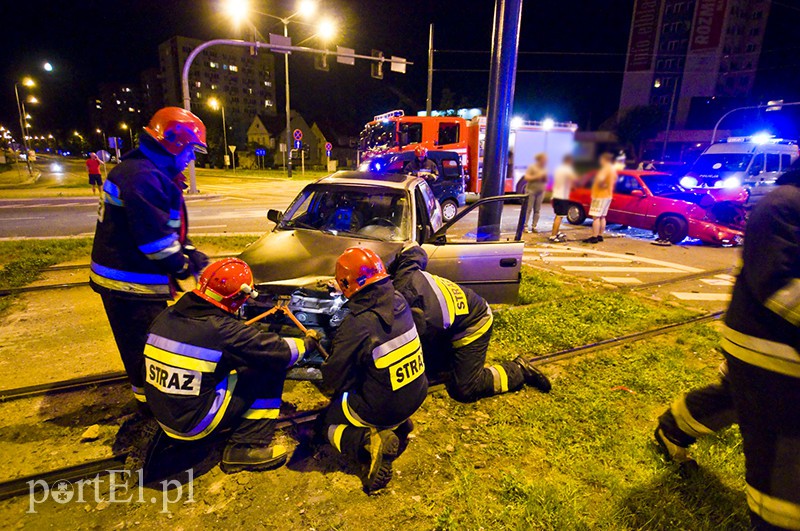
[656,201]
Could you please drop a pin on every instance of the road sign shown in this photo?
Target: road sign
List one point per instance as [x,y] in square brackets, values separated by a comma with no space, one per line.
[345,55]
[328,146]
[114,142]
[103,155]
[261,152]
[232,148]
[298,144]
[297,134]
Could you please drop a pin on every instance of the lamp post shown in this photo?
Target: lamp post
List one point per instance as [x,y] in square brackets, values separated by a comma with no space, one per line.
[238,9]
[767,106]
[101,132]
[130,131]
[215,104]
[27,82]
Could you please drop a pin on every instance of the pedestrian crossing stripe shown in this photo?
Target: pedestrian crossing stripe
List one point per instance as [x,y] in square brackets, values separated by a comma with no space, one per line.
[593,252]
[690,296]
[622,280]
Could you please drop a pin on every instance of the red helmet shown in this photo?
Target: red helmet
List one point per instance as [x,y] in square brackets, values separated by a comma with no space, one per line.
[226,283]
[421,151]
[176,128]
[357,268]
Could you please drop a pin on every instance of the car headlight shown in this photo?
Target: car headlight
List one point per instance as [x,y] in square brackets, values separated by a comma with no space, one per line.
[731,182]
[56,167]
[688,182]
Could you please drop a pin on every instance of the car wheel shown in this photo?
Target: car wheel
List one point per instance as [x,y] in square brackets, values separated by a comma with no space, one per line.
[576,215]
[449,209]
[672,228]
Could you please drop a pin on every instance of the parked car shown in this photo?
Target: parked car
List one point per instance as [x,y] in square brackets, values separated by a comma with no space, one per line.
[383,212]
[656,201]
[449,188]
[752,162]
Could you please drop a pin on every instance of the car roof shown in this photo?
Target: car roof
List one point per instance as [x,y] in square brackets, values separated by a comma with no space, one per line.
[398,181]
[643,173]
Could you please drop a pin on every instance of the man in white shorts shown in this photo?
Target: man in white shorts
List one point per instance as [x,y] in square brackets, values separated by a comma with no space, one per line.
[602,193]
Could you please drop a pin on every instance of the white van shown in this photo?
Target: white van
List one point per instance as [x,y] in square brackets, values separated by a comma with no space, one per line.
[754,162]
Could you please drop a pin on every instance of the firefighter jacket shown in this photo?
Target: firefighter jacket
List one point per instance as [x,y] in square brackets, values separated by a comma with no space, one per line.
[192,353]
[446,313]
[426,166]
[376,359]
[764,314]
[141,229]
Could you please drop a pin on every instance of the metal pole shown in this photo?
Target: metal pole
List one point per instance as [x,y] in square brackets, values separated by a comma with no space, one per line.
[429,100]
[669,120]
[224,138]
[502,76]
[288,105]
[22,128]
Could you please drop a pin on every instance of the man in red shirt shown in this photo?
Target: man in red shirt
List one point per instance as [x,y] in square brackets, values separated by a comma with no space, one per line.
[93,166]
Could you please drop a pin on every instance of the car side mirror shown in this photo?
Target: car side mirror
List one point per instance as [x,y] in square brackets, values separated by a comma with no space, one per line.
[637,193]
[274,216]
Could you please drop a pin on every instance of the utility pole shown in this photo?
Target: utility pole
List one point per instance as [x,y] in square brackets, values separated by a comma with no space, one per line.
[669,119]
[502,76]
[429,100]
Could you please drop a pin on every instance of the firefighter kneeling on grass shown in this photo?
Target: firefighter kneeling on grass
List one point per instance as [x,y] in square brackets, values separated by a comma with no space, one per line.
[455,325]
[205,370]
[375,368]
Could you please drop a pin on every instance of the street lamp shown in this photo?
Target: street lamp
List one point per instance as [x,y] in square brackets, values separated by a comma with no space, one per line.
[237,10]
[123,125]
[26,82]
[101,132]
[215,104]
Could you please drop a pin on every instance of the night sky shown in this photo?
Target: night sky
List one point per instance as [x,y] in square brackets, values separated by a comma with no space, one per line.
[91,42]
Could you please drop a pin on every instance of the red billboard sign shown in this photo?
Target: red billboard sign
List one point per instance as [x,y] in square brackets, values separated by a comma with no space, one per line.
[709,17]
[643,35]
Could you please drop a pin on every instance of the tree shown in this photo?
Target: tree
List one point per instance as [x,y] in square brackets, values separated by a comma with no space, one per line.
[638,124]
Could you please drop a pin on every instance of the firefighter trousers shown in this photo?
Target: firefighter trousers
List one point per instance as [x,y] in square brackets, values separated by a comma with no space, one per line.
[769,418]
[348,432]
[699,412]
[470,379]
[130,319]
[251,411]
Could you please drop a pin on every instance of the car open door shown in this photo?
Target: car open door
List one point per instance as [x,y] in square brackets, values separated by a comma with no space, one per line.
[487,259]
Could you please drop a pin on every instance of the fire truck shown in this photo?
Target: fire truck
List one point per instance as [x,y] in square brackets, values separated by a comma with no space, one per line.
[395,131]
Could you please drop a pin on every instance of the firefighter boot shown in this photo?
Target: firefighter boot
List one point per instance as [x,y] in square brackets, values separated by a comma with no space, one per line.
[382,447]
[402,432]
[674,452]
[533,376]
[252,457]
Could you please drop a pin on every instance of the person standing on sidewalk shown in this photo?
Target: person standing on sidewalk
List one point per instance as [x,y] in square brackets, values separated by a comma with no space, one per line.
[93,167]
[602,193]
[535,183]
[563,178]
[141,243]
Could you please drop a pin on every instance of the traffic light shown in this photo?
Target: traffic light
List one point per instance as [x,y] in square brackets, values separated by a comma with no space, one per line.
[321,62]
[376,69]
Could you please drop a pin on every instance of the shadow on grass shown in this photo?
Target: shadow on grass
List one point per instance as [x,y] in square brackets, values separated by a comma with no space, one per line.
[696,500]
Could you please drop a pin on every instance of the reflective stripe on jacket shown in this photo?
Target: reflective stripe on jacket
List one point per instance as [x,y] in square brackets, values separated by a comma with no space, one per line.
[192,353]
[763,317]
[141,229]
[377,358]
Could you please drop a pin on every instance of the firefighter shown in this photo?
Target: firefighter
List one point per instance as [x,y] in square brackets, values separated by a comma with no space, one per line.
[455,326]
[421,165]
[140,243]
[761,343]
[698,413]
[375,369]
[205,370]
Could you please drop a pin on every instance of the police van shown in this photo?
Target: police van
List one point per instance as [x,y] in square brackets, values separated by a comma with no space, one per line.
[754,162]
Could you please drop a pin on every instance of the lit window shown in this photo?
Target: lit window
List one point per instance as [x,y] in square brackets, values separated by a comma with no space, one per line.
[267,103]
[212,64]
[197,84]
[251,90]
[119,102]
[224,67]
[267,83]
[234,68]
[98,106]
[213,87]
[197,95]
[131,109]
